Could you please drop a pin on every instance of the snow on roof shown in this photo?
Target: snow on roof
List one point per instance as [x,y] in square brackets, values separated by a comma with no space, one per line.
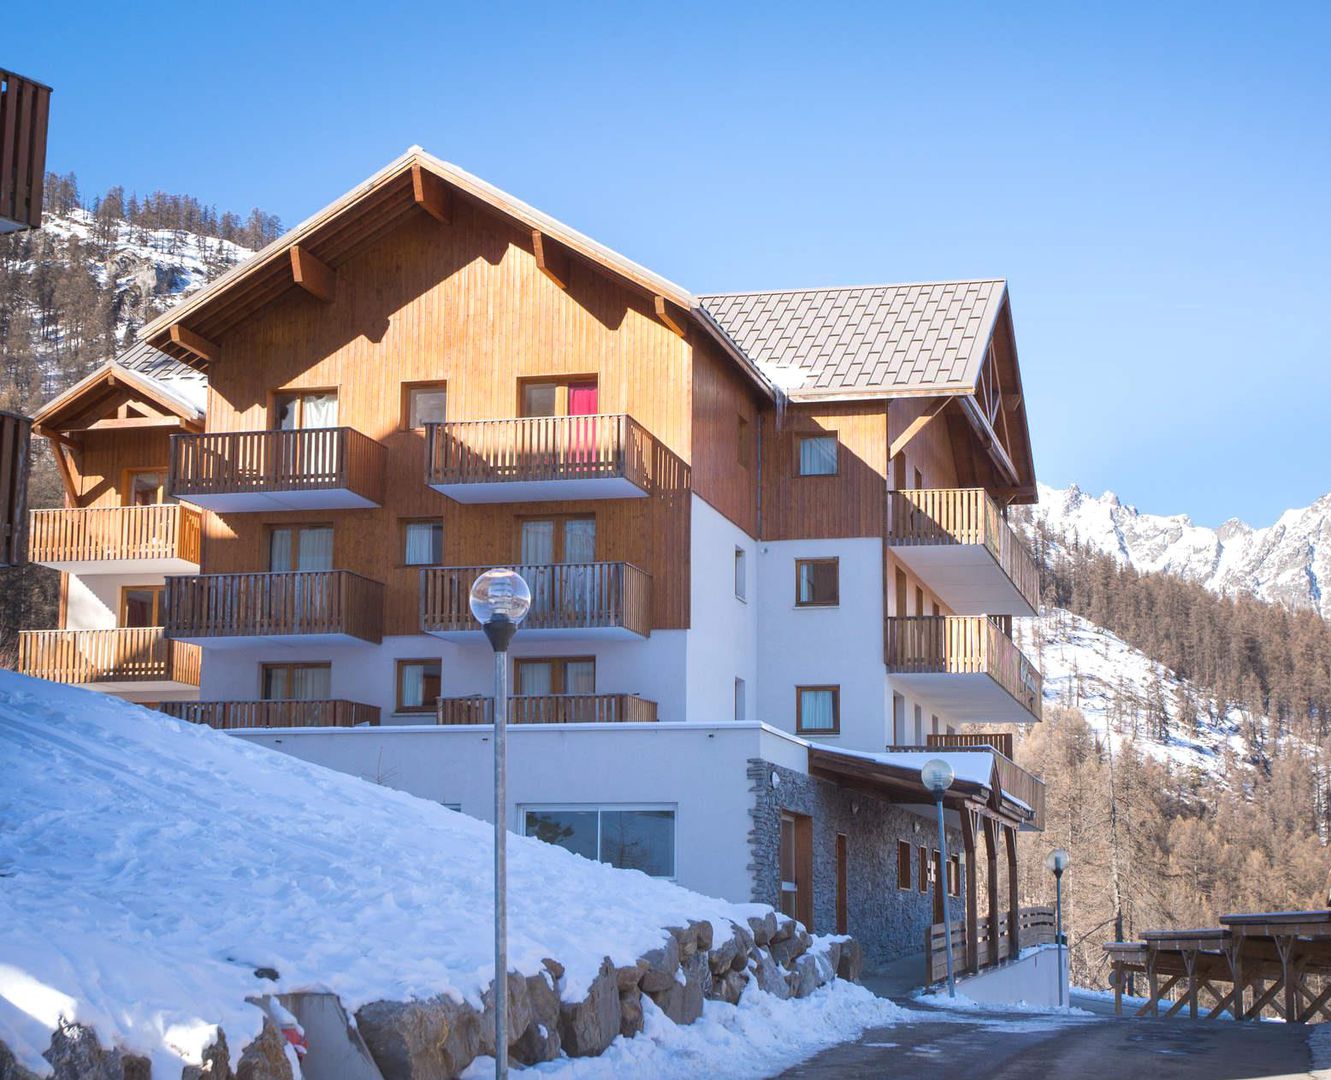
[149,866]
[969,766]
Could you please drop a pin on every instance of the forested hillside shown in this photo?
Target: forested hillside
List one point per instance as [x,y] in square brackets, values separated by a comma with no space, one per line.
[72,294]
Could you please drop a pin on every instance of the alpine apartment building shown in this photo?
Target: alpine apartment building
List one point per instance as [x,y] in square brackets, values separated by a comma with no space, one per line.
[765,535]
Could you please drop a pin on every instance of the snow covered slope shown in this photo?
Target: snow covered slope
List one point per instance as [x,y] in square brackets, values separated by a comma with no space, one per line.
[1286,562]
[148,867]
[1126,695]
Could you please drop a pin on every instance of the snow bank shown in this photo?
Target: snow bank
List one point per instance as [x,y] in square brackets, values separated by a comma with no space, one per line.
[148,867]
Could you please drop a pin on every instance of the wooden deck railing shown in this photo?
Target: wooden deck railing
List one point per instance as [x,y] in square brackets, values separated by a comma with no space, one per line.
[298,603]
[998,740]
[306,459]
[550,709]
[1035,926]
[1015,781]
[91,534]
[963,516]
[565,596]
[140,654]
[24,110]
[231,715]
[962,644]
[537,448]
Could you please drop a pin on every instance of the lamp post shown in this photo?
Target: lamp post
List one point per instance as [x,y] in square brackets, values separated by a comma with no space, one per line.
[499,602]
[1057,862]
[936,775]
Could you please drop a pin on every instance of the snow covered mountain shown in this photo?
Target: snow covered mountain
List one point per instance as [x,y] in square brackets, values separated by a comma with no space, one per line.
[1286,562]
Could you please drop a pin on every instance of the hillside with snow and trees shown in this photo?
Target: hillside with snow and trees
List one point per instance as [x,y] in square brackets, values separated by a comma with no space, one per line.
[159,877]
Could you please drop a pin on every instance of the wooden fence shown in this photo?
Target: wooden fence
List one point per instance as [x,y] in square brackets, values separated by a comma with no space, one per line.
[1035,926]
[997,740]
[963,516]
[550,709]
[90,534]
[293,604]
[25,108]
[231,715]
[962,645]
[304,459]
[15,434]
[538,448]
[126,654]
[564,596]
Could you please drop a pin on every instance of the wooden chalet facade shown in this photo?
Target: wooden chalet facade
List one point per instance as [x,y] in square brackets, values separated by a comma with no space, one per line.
[299,471]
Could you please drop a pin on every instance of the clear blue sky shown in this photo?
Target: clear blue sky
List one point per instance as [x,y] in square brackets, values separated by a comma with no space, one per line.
[1152,179]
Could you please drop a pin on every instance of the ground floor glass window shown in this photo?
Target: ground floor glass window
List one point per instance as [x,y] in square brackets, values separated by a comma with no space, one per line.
[631,838]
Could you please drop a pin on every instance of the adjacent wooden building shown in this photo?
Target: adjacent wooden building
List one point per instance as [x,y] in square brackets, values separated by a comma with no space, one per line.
[25,107]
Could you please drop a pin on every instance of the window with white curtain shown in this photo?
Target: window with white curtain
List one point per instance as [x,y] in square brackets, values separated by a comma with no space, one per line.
[418,685]
[423,543]
[818,709]
[817,455]
[307,547]
[579,540]
[555,675]
[538,542]
[296,682]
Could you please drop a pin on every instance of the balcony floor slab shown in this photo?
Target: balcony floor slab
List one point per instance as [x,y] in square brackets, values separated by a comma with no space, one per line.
[967,698]
[250,641]
[252,502]
[582,633]
[91,567]
[966,577]
[511,491]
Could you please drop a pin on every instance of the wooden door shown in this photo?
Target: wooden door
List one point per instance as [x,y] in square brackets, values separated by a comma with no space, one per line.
[842,884]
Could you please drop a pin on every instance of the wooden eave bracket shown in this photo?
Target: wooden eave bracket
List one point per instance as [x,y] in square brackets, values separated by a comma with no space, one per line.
[664,312]
[432,195]
[915,427]
[550,260]
[54,436]
[185,338]
[312,274]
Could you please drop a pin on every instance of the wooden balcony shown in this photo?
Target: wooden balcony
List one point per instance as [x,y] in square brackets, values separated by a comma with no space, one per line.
[309,607]
[25,107]
[141,660]
[334,468]
[539,458]
[234,715]
[161,539]
[570,600]
[960,544]
[551,709]
[965,666]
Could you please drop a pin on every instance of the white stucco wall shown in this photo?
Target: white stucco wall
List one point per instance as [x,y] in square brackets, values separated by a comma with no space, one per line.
[698,769]
[840,645]
[1033,979]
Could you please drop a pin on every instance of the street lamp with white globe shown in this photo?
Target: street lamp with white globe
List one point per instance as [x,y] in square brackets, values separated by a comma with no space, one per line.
[936,775]
[500,600]
[1056,862]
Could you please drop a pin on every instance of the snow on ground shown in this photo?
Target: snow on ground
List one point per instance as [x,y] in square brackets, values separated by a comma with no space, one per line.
[1087,667]
[149,866]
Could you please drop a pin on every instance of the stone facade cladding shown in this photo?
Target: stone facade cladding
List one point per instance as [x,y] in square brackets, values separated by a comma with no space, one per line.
[887,921]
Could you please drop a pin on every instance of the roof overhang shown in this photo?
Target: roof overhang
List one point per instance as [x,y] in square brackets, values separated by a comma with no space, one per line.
[90,404]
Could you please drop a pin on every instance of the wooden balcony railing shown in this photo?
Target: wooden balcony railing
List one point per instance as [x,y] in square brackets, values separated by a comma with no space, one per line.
[963,516]
[231,715]
[294,604]
[537,448]
[1035,926]
[1012,778]
[96,533]
[24,109]
[962,645]
[306,459]
[998,740]
[565,596]
[124,655]
[551,709]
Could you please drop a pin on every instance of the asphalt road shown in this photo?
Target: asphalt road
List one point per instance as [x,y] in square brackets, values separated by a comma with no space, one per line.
[942,1045]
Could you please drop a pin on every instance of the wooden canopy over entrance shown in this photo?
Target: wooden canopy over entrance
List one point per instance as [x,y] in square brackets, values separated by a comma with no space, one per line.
[1278,963]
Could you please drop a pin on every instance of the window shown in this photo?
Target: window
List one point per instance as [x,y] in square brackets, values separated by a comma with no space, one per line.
[743,442]
[933,724]
[141,605]
[145,487]
[295,682]
[422,543]
[898,720]
[559,397]
[919,600]
[300,547]
[418,684]
[423,403]
[818,709]
[919,725]
[919,480]
[542,541]
[539,676]
[741,583]
[739,700]
[817,583]
[304,409]
[631,838]
[816,455]
[954,875]
[903,864]
[925,872]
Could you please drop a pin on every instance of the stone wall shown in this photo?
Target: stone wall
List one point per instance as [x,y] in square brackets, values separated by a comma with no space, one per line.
[888,922]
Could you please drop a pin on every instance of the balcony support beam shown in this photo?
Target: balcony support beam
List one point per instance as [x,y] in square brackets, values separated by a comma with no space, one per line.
[195,344]
[551,261]
[313,275]
[915,427]
[677,325]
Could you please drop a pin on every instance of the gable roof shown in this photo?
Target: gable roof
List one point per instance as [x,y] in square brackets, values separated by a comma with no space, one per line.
[927,338]
[89,398]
